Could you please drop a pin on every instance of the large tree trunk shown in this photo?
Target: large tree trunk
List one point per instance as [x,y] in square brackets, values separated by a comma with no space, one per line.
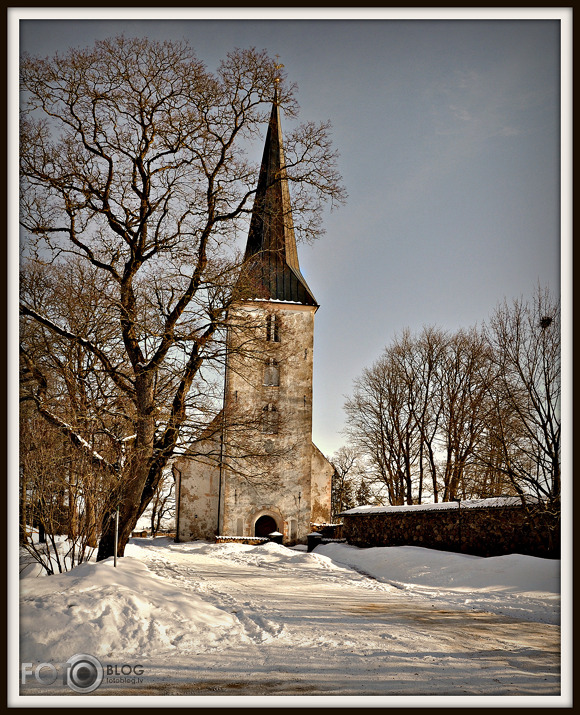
[129,513]
[91,526]
[107,542]
[136,477]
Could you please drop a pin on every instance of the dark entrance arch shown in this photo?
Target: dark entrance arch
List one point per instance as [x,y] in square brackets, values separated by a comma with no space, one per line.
[265,525]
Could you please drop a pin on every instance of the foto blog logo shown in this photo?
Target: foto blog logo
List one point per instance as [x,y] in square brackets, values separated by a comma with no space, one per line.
[82,673]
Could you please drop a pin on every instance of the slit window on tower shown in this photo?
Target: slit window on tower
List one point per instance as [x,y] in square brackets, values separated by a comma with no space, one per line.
[271,373]
[270,419]
[273,328]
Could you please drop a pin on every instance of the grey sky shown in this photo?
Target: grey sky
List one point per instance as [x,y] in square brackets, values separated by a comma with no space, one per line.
[448,133]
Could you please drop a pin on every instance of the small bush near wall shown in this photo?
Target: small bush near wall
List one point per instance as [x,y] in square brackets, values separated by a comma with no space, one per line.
[471,528]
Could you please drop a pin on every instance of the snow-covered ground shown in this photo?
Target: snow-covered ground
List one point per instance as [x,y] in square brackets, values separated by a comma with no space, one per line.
[338,626]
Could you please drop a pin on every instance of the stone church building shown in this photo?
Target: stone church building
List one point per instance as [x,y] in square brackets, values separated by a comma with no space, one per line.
[290,486]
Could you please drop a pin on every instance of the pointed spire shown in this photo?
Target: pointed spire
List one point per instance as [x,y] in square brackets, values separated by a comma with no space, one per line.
[271,255]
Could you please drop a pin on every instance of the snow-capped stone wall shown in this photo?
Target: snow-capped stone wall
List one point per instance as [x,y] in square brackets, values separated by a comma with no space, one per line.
[471,528]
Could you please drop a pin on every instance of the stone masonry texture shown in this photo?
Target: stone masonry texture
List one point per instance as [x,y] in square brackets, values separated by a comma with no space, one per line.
[488,531]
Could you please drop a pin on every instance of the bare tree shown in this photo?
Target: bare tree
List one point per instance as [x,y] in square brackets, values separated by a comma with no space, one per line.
[364,494]
[425,359]
[62,497]
[525,339]
[477,410]
[67,489]
[485,475]
[346,472]
[162,505]
[420,413]
[466,376]
[381,424]
[133,159]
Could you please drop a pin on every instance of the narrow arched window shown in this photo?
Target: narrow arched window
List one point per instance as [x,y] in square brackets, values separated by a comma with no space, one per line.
[271,373]
[270,419]
[273,328]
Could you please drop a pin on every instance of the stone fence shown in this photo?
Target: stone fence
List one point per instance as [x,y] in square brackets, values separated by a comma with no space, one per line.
[251,540]
[485,527]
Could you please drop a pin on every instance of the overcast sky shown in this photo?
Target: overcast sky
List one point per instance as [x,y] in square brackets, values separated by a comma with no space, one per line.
[449,140]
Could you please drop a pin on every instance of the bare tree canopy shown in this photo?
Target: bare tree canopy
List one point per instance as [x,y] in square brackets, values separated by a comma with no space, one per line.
[348,471]
[526,342]
[135,185]
[471,414]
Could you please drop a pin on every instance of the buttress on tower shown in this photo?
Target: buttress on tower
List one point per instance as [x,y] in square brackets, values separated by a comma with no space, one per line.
[290,487]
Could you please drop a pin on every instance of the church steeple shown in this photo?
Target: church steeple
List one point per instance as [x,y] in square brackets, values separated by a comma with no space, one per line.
[268,381]
[271,258]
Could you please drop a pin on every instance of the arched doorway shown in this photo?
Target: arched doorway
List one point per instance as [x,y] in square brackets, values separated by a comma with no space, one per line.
[265,525]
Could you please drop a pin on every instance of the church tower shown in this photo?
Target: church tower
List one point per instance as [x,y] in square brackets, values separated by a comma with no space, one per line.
[271,385]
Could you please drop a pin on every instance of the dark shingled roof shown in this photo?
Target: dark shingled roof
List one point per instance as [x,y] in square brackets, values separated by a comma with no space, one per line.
[271,269]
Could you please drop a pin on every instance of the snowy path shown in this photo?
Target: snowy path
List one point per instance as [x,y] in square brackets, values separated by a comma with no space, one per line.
[223,620]
[310,626]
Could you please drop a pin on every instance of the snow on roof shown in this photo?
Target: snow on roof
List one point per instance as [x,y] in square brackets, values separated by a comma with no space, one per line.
[273,300]
[467,504]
